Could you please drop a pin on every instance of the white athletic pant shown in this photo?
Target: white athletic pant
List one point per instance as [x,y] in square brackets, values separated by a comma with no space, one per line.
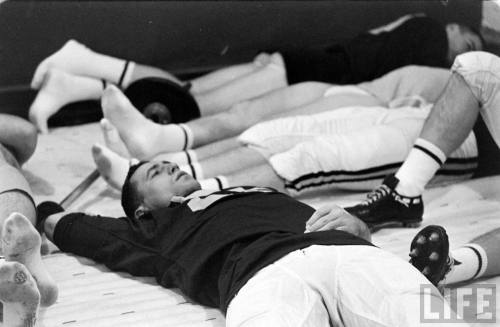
[481,71]
[348,285]
[349,148]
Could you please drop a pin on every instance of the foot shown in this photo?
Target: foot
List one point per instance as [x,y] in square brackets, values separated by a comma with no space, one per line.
[143,138]
[385,207]
[69,58]
[112,167]
[19,295]
[429,253]
[21,243]
[60,88]
[112,139]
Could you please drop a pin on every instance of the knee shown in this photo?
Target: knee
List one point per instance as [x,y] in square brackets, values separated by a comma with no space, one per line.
[475,62]
[29,136]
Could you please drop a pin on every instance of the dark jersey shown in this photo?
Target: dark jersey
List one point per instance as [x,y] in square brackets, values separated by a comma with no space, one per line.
[418,41]
[209,246]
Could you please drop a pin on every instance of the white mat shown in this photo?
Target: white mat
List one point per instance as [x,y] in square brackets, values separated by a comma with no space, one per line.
[90,295]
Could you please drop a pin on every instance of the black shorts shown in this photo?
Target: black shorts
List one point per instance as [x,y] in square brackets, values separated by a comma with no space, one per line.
[488,151]
[321,65]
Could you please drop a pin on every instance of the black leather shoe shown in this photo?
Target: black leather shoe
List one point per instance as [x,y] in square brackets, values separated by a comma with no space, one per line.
[384,207]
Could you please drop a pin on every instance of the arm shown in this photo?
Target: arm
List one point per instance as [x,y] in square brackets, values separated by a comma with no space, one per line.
[334,217]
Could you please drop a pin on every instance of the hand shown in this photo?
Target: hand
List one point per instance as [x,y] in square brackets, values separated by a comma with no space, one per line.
[334,217]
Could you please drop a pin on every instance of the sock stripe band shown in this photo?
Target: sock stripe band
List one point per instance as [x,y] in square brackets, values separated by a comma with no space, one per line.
[219,183]
[193,171]
[480,260]
[185,146]
[429,153]
[124,71]
[188,156]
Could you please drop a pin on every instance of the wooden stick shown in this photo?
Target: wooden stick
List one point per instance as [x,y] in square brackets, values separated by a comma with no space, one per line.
[80,189]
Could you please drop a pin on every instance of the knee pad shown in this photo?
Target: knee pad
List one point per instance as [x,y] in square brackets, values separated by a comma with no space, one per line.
[12,180]
[162,100]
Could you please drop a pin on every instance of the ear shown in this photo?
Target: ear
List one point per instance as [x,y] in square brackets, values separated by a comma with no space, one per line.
[452,27]
[140,211]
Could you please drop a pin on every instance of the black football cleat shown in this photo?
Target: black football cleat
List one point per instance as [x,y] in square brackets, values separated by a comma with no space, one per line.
[384,207]
[429,253]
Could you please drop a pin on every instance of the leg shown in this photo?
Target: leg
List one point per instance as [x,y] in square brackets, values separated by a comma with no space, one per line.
[477,259]
[18,137]
[222,76]
[145,139]
[77,59]
[263,80]
[276,297]
[473,87]
[15,192]
[247,113]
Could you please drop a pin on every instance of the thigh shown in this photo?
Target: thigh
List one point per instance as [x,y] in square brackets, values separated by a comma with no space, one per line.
[274,297]
[376,288]
[481,72]
[355,161]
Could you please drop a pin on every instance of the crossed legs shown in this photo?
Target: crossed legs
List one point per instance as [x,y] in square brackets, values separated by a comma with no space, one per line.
[76,73]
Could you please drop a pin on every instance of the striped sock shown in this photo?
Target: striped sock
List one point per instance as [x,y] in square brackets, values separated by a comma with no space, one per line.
[216,183]
[471,262]
[188,136]
[420,166]
[194,169]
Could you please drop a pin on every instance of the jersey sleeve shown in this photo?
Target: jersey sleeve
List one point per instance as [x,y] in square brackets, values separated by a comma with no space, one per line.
[113,242]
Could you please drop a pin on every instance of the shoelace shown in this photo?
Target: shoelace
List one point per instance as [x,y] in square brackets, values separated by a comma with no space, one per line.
[377,194]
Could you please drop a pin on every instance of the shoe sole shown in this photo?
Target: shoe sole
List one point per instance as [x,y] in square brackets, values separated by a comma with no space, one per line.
[394,224]
[440,246]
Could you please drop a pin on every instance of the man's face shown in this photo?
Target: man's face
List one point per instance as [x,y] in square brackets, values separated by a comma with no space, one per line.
[461,40]
[159,181]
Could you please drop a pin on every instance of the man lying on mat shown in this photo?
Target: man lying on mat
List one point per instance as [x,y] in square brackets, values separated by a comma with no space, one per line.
[24,282]
[260,256]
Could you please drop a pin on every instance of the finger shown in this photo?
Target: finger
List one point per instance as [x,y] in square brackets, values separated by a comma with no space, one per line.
[324,210]
[322,222]
[335,224]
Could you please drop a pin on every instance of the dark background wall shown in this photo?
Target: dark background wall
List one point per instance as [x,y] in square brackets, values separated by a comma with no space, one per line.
[188,37]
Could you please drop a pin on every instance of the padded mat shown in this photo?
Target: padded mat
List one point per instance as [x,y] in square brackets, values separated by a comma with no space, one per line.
[91,295]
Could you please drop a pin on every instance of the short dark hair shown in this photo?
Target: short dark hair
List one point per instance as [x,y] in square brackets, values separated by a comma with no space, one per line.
[131,199]
[473,30]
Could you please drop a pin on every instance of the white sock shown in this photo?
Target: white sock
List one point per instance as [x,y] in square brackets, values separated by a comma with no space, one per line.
[188,144]
[419,167]
[216,183]
[194,169]
[472,263]
[127,75]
